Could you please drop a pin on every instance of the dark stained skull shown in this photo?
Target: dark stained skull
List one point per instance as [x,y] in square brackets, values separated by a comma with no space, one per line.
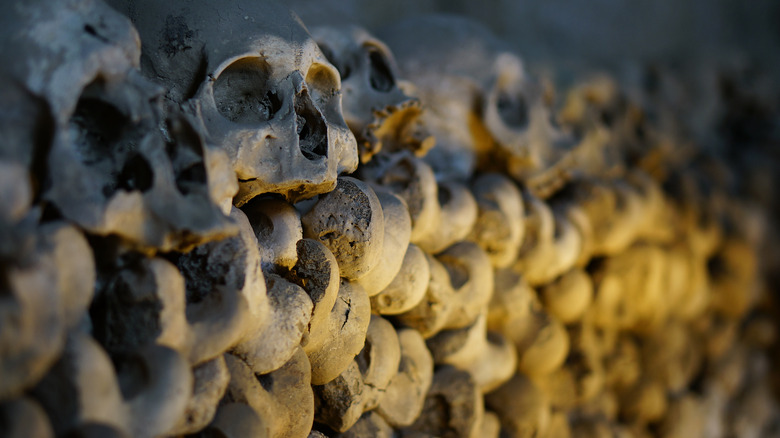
[102,145]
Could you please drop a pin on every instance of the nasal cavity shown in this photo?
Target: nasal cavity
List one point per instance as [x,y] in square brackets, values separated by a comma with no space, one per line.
[311,128]
[513,110]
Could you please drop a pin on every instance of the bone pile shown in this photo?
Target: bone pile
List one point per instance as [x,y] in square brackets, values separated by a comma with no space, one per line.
[217,223]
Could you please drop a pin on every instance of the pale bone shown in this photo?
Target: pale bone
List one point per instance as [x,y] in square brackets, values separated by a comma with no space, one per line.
[471,276]
[23,417]
[407,288]
[413,180]
[687,282]
[458,65]
[672,356]
[16,192]
[317,272]
[623,363]
[226,292]
[559,425]
[85,374]
[210,381]
[157,187]
[546,349]
[582,376]
[552,245]
[626,220]
[645,402]
[333,349]
[631,281]
[283,400]
[370,424]
[278,228]
[458,215]
[452,391]
[488,356]
[490,426]
[733,287]
[397,230]
[264,92]
[540,339]
[460,287]
[569,296]
[430,315]
[522,407]
[269,344]
[350,222]
[686,417]
[377,110]
[238,420]
[405,395]
[360,388]
[48,285]
[499,228]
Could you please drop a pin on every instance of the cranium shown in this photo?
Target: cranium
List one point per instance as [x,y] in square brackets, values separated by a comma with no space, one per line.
[104,151]
[477,92]
[376,107]
[252,75]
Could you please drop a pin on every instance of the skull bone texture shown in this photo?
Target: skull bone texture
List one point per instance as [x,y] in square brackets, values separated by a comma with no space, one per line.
[106,152]
[476,92]
[255,79]
[376,107]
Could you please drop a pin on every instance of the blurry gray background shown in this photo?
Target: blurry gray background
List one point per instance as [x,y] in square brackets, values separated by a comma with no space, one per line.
[603,35]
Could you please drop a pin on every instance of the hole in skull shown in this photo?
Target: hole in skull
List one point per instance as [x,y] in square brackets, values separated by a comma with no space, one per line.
[136,174]
[266,381]
[104,139]
[241,94]
[186,154]
[513,110]
[380,77]
[363,358]
[344,70]
[311,128]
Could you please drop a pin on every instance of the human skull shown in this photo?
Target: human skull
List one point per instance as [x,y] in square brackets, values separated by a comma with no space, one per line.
[104,150]
[253,76]
[476,92]
[377,109]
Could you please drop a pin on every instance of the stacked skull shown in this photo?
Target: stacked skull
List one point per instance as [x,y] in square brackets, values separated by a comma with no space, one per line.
[182,252]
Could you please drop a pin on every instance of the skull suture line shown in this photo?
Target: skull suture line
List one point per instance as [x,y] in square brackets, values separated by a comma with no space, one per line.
[252,75]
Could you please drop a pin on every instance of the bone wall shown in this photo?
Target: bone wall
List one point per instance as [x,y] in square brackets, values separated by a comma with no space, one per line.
[223,220]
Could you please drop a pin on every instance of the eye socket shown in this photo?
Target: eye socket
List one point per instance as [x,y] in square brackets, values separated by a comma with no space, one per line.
[513,110]
[322,81]
[344,70]
[107,143]
[380,75]
[241,92]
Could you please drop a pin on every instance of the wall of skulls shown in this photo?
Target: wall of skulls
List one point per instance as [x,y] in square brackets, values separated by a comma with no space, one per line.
[216,221]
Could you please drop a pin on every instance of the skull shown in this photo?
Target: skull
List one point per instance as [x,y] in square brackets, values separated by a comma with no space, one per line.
[377,109]
[476,92]
[253,76]
[104,151]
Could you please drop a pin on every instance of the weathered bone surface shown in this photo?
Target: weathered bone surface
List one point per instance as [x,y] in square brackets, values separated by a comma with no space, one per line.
[133,168]
[264,92]
[596,266]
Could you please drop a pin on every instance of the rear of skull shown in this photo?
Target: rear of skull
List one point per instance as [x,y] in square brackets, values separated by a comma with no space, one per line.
[263,92]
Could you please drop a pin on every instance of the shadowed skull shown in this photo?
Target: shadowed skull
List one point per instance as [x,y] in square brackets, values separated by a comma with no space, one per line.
[376,106]
[252,75]
[105,152]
